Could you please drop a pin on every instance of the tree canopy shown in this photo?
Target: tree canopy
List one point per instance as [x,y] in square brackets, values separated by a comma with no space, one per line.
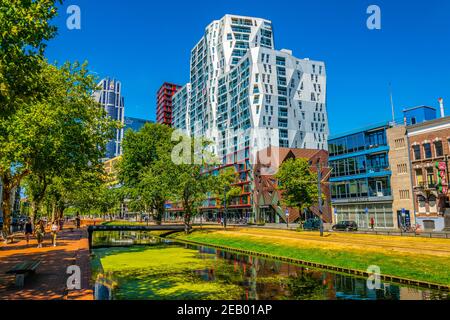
[49,123]
[25,26]
[298,184]
[146,170]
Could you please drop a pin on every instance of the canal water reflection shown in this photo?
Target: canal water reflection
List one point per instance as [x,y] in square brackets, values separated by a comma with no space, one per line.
[164,270]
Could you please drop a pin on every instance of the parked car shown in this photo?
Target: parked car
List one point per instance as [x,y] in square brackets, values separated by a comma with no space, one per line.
[1,223]
[346,226]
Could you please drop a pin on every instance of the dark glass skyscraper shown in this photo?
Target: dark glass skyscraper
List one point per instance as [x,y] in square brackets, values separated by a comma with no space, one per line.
[110,98]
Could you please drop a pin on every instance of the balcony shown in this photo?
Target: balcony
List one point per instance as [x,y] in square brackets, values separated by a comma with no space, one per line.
[377,169]
[384,194]
[426,186]
[381,193]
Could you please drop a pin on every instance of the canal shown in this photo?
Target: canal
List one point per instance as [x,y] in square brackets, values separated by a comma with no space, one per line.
[141,266]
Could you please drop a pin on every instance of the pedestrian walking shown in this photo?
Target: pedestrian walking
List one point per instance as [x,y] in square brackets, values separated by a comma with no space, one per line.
[54,231]
[28,230]
[372,223]
[40,233]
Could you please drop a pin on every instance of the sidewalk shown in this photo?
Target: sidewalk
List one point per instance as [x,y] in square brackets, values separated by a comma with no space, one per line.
[49,282]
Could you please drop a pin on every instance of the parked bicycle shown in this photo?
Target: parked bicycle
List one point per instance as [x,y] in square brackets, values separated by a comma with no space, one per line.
[416,228]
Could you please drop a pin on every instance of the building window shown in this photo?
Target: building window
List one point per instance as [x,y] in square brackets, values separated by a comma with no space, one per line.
[284,134]
[427,151]
[430,177]
[419,177]
[400,143]
[402,168]
[376,139]
[417,155]
[439,149]
[404,194]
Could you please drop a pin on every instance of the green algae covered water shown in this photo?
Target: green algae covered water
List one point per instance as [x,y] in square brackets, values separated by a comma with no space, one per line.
[140,266]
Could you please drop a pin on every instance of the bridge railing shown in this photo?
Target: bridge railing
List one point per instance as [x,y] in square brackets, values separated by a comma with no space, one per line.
[105,228]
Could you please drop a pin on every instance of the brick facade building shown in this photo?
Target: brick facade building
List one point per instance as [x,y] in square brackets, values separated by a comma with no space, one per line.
[268,198]
[401,184]
[429,155]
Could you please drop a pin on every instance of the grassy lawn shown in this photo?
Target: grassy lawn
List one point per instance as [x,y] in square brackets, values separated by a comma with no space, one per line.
[422,267]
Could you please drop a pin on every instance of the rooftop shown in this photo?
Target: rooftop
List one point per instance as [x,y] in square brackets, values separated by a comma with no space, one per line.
[429,124]
[419,107]
[372,127]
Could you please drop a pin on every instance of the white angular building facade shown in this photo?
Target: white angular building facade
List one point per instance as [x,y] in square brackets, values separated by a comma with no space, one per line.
[180,108]
[245,94]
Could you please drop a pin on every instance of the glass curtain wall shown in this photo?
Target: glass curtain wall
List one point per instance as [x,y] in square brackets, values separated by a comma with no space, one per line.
[381,212]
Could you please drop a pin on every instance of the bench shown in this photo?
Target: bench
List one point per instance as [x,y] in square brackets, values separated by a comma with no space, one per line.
[23,270]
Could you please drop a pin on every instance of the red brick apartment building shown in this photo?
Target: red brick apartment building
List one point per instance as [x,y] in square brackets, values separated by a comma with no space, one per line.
[164,103]
[260,200]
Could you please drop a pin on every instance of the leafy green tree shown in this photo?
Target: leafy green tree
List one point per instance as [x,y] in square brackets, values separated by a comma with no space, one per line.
[141,150]
[98,200]
[222,186]
[109,200]
[156,187]
[24,29]
[36,186]
[298,184]
[146,170]
[66,132]
[192,187]
[46,112]
[193,184]
[84,191]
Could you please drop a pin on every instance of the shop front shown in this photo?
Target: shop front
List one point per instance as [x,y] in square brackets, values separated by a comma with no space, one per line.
[362,214]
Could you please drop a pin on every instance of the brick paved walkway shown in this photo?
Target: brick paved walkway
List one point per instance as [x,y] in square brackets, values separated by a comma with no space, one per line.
[49,283]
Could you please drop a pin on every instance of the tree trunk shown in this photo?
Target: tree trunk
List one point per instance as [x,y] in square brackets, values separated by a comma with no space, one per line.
[6,207]
[187,223]
[53,213]
[302,220]
[34,212]
[60,212]
[9,182]
[160,213]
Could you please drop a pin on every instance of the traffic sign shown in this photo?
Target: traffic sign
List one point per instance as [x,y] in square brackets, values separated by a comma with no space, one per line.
[287,213]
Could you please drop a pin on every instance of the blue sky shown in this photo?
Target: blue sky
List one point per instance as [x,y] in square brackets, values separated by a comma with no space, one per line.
[144,43]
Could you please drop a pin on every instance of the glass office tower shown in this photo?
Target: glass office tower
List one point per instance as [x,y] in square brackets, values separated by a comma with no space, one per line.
[111,99]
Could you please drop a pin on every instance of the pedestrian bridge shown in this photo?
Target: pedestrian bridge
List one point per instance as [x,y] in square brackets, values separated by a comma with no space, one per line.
[92,229]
